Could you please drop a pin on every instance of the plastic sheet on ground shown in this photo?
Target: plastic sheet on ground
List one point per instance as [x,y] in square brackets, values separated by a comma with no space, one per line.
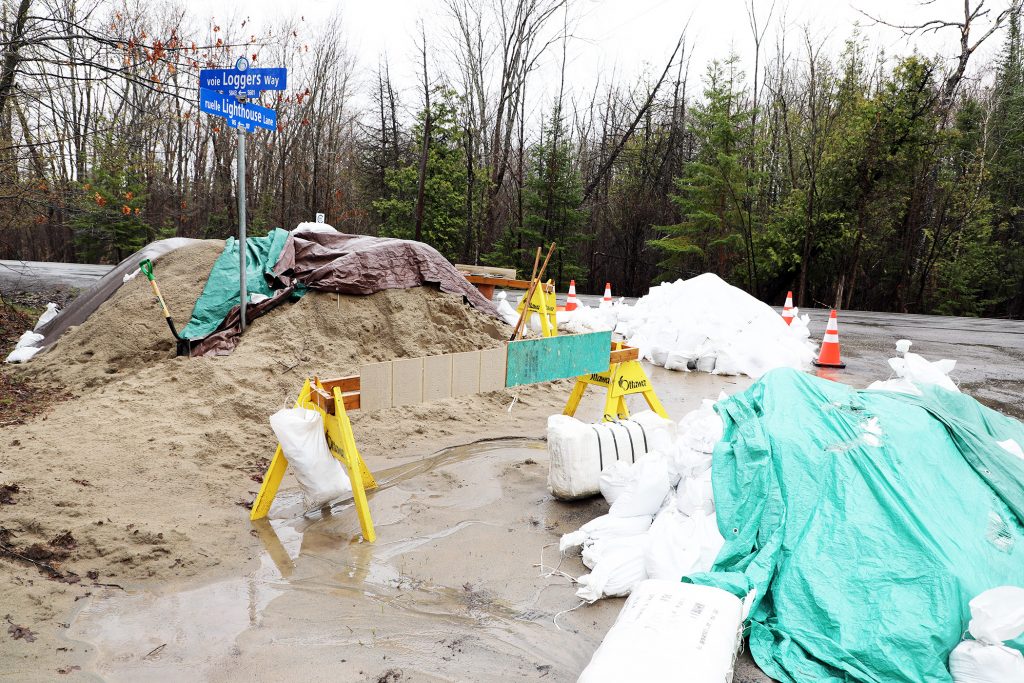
[88,301]
[864,553]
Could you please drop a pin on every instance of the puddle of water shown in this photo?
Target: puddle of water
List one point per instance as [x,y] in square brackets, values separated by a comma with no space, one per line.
[452,589]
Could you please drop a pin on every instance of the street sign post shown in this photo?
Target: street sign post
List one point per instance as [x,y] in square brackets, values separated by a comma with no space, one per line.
[223,93]
[238,114]
[247,83]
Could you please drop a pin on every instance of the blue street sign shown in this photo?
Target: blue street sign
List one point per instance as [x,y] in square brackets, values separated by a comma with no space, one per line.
[243,82]
[239,115]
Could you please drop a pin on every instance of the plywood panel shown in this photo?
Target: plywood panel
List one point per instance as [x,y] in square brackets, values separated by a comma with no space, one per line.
[548,358]
[375,386]
[437,377]
[406,381]
[465,373]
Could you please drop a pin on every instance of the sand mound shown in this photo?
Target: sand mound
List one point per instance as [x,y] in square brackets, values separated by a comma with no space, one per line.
[322,333]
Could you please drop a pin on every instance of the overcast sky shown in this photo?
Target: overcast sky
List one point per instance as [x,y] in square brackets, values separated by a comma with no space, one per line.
[619,38]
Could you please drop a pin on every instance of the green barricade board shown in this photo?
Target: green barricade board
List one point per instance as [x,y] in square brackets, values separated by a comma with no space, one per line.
[549,358]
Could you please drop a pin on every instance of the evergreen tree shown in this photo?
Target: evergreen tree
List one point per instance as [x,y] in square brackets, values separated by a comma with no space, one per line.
[109,222]
[553,193]
[714,233]
[1006,147]
[445,201]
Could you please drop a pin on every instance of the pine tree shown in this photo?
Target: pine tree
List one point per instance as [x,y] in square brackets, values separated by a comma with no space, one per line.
[1007,164]
[553,193]
[445,201]
[110,219]
[712,196]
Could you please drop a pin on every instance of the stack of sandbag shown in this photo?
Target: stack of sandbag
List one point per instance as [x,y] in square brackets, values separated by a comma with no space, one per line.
[706,324]
[671,631]
[661,522]
[579,452]
[997,615]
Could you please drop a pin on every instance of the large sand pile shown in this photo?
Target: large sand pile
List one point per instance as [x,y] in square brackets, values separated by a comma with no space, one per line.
[151,466]
[324,333]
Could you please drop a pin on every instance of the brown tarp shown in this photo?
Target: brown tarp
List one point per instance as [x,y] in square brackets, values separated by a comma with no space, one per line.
[331,261]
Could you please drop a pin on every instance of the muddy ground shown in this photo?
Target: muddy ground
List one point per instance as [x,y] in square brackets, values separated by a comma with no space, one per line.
[464,582]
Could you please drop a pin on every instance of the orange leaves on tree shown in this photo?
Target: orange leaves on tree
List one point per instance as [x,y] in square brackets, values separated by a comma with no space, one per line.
[126,210]
[99,199]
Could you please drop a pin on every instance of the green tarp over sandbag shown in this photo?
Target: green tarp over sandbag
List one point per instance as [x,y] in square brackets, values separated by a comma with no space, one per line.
[866,521]
[221,292]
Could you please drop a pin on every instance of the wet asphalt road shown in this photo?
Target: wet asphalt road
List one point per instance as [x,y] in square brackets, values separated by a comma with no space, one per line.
[35,276]
[989,352]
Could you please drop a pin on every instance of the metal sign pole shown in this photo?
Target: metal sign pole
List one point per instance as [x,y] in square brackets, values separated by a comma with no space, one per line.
[241,223]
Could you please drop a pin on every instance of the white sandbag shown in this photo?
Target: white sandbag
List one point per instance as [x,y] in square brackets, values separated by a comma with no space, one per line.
[913,371]
[602,527]
[670,631]
[1011,446]
[29,338]
[505,310]
[997,615]
[321,476]
[674,550]
[696,494]
[615,479]
[618,566]
[22,355]
[681,544]
[49,314]
[647,491]
[688,462]
[701,429]
[974,662]
[578,452]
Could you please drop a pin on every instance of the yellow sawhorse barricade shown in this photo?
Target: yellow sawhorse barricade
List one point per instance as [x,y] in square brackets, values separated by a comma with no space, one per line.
[330,399]
[543,304]
[625,376]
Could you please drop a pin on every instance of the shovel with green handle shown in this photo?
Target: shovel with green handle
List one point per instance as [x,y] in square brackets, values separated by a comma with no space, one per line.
[146,266]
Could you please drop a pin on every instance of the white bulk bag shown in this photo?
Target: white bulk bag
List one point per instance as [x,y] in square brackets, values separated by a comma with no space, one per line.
[997,615]
[579,452]
[670,631]
[321,476]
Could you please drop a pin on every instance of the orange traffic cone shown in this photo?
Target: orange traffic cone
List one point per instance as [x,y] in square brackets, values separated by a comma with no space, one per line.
[570,301]
[607,298]
[787,309]
[829,355]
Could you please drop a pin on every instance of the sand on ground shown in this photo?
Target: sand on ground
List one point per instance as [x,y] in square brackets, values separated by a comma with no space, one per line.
[144,474]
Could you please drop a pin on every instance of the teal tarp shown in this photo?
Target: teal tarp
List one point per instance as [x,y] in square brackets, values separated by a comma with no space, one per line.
[864,556]
[220,294]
